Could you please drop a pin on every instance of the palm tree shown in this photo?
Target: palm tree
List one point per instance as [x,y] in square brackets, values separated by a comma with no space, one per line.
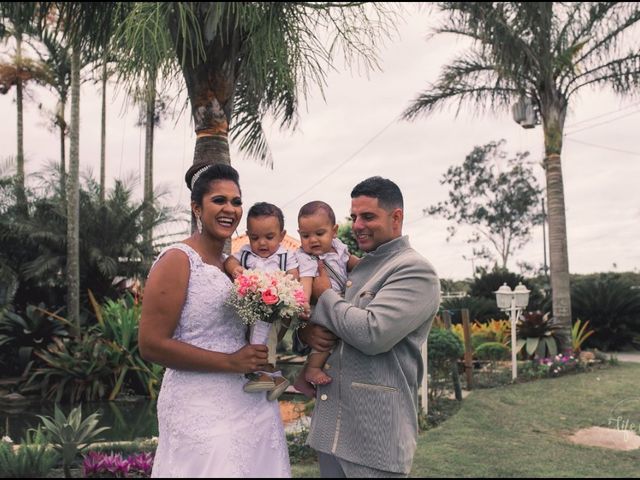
[20,17]
[546,52]
[88,27]
[73,195]
[242,60]
[111,241]
[56,56]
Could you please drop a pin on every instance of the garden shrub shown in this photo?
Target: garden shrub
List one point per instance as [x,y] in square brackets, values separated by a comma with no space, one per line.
[486,285]
[492,351]
[32,459]
[480,309]
[480,338]
[612,308]
[444,348]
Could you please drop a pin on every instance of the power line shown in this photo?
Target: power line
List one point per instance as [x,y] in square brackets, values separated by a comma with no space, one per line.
[603,115]
[603,123]
[343,163]
[603,147]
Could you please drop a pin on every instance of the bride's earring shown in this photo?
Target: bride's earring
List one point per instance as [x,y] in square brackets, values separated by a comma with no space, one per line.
[199,224]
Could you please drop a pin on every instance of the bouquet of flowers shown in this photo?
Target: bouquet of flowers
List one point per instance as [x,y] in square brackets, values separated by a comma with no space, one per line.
[267,296]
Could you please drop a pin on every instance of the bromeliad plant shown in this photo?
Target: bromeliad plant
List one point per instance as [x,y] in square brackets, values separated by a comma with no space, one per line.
[579,334]
[80,368]
[25,334]
[99,362]
[537,335]
[71,435]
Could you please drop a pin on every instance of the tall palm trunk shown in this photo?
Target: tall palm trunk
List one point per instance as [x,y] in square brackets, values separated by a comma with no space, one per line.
[553,124]
[150,105]
[211,106]
[73,196]
[103,132]
[62,127]
[21,199]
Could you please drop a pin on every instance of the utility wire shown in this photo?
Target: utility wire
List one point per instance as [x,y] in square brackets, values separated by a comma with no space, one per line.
[343,163]
[603,115]
[602,123]
[603,147]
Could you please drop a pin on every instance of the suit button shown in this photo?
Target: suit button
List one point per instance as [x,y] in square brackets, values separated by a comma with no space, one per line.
[323,396]
[349,283]
[327,366]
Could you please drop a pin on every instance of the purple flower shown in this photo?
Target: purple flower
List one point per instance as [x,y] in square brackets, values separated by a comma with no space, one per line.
[98,464]
[141,462]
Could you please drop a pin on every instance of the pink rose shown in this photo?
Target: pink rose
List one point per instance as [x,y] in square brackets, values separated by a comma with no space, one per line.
[300,297]
[269,298]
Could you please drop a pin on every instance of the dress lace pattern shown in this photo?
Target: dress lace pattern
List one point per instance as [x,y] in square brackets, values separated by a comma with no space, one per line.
[208,426]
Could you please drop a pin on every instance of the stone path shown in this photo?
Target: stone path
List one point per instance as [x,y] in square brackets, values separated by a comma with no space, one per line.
[626,356]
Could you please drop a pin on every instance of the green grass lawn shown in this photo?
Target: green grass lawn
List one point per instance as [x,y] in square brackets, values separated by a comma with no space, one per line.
[520,430]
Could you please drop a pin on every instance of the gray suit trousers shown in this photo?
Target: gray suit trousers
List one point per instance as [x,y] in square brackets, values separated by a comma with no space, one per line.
[334,467]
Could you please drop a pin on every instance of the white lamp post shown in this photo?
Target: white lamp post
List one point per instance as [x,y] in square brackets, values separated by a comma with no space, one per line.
[514,301]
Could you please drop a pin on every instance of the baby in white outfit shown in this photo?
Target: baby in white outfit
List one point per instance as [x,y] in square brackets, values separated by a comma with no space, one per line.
[265,229]
[318,235]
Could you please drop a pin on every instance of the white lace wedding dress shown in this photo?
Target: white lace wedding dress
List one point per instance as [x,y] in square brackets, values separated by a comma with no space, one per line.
[208,426]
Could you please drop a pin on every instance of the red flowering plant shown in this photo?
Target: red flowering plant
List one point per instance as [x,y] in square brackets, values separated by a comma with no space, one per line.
[267,296]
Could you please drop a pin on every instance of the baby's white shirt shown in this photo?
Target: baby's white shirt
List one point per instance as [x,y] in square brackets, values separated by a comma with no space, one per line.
[308,264]
[269,264]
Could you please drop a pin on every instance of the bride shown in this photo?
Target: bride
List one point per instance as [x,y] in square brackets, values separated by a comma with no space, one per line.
[208,426]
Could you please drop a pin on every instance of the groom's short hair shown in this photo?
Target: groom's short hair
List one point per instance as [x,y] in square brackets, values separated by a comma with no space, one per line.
[387,192]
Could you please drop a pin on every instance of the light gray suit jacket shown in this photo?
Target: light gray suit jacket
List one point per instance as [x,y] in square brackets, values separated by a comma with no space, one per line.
[368,413]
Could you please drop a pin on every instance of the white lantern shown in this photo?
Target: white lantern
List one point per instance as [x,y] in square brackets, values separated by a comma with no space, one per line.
[522,296]
[524,113]
[503,297]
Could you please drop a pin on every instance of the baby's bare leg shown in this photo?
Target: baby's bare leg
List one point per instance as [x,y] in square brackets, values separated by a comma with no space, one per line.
[302,385]
[314,369]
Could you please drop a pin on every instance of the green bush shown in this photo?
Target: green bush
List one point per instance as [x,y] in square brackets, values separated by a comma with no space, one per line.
[299,451]
[486,284]
[75,369]
[480,338]
[492,351]
[444,348]
[612,308]
[480,309]
[101,362]
[32,459]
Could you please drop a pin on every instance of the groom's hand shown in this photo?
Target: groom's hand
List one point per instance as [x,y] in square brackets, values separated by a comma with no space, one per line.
[317,337]
[250,358]
[321,283]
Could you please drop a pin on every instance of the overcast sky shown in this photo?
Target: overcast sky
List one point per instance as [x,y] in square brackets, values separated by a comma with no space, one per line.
[352,134]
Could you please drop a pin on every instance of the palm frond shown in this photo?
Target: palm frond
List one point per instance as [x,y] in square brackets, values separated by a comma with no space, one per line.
[622,75]
[471,79]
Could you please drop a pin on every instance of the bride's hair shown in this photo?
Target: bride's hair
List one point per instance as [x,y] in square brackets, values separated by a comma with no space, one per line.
[200,175]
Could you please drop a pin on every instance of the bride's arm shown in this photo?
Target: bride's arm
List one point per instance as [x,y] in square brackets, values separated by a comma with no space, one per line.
[164,296]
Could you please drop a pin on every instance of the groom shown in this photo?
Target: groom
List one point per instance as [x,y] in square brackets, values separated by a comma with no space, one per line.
[365,421]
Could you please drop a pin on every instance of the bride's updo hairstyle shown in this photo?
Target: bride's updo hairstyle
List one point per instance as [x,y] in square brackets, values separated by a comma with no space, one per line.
[200,176]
